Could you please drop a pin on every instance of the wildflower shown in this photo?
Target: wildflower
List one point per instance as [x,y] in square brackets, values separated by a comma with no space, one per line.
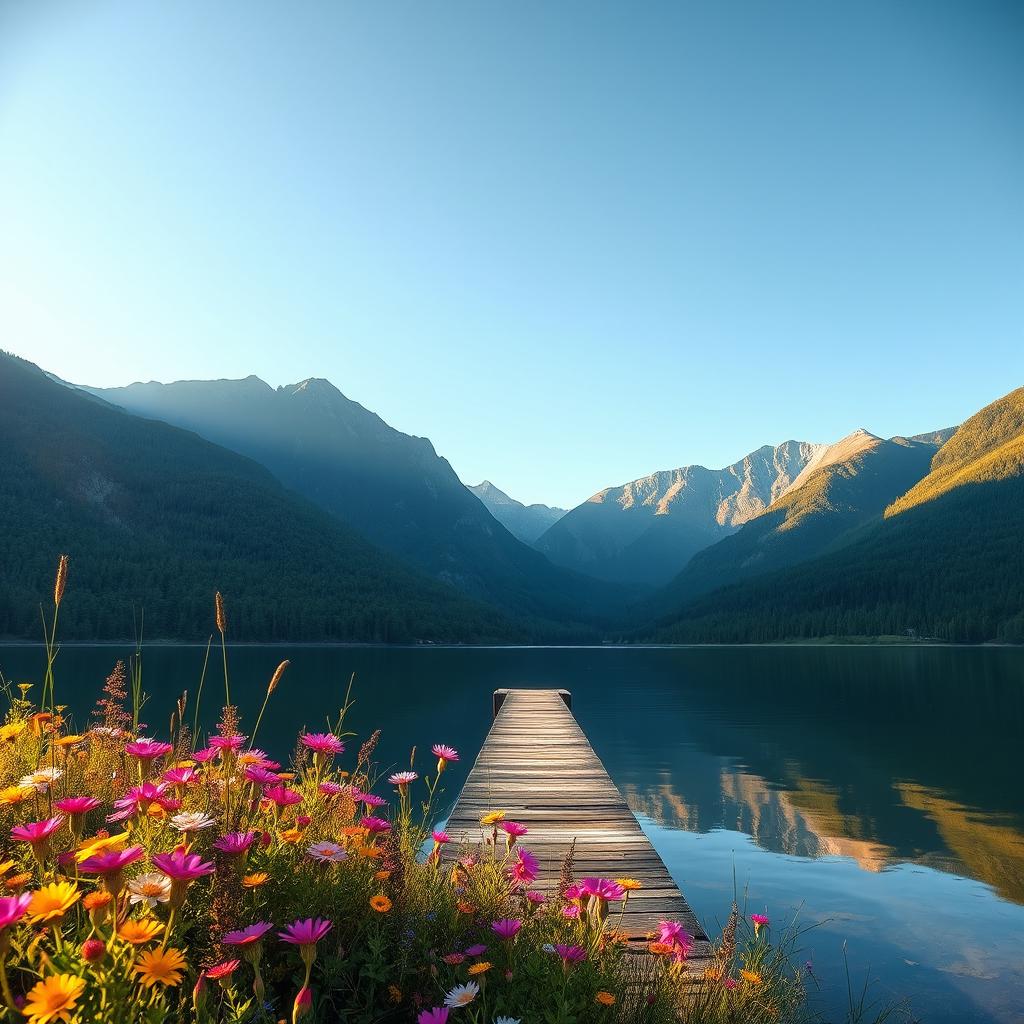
[324,744]
[402,779]
[327,853]
[247,936]
[660,948]
[601,888]
[380,903]
[604,998]
[440,838]
[38,833]
[481,967]
[192,821]
[291,835]
[506,928]
[465,907]
[227,744]
[375,825]
[492,818]
[139,932]
[11,731]
[40,780]
[53,999]
[12,909]
[77,805]
[444,754]
[729,983]
[235,843]
[332,789]
[101,843]
[760,921]
[160,967]
[181,776]
[303,1003]
[673,933]
[18,882]
[306,934]
[93,950]
[462,995]
[260,775]
[96,904]
[149,888]
[282,796]
[141,800]
[256,879]
[513,830]
[51,902]
[454,959]
[394,993]
[524,868]
[476,950]
[204,755]
[222,970]
[572,892]
[438,1015]
[628,884]
[570,954]
[182,869]
[372,800]
[147,750]
[15,794]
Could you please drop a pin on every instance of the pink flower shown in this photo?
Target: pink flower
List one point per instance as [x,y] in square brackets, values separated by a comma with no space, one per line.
[282,795]
[438,1015]
[227,743]
[760,921]
[222,970]
[571,954]
[478,950]
[332,789]
[524,868]
[506,928]
[204,755]
[139,799]
[77,804]
[444,754]
[12,908]
[235,843]
[38,834]
[454,959]
[729,983]
[573,892]
[402,779]
[260,775]
[180,776]
[327,853]
[572,911]
[372,800]
[148,750]
[93,950]
[303,1002]
[513,829]
[248,936]
[306,933]
[375,825]
[324,743]
[535,897]
[111,862]
[441,837]
[602,888]
[180,866]
[672,933]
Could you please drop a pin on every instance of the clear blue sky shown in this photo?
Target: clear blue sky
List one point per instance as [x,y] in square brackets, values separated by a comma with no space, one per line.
[572,243]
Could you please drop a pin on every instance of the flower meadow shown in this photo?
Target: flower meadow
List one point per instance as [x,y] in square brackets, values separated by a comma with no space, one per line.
[203,879]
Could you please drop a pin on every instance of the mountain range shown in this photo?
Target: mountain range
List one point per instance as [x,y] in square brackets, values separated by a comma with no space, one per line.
[321,521]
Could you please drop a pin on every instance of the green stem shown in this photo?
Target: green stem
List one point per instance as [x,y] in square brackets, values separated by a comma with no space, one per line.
[199,694]
[224,651]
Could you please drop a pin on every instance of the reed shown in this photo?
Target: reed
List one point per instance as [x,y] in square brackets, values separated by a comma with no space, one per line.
[271,687]
[222,628]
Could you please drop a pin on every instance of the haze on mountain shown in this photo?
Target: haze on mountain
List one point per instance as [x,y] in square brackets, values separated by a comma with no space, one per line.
[156,519]
[527,522]
[647,530]
[394,488]
[944,560]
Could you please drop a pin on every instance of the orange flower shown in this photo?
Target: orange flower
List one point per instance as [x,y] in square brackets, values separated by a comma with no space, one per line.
[604,998]
[479,968]
[286,776]
[257,878]
[291,835]
[382,876]
[138,933]
[660,948]
[96,899]
[18,882]
[751,977]
[629,884]
[14,794]
[466,908]
[370,851]
[380,903]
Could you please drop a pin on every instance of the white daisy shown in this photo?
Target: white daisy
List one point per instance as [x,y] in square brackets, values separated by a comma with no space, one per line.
[150,888]
[41,780]
[192,821]
[327,853]
[508,1020]
[462,995]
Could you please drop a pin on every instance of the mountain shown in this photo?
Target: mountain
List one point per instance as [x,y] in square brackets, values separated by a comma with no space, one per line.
[647,530]
[393,488]
[527,522]
[944,561]
[154,517]
[847,485]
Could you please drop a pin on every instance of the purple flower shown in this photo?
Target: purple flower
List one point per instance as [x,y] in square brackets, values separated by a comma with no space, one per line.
[235,843]
[306,933]
[506,928]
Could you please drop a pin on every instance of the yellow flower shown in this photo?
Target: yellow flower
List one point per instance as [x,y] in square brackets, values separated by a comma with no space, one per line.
[369,851]
[629,884]
[69,741]
[751,976]
[291,835]
[492,818]
[481,968]
[15,794]
[51,902]
[160,967]
[257,878]
[286,776]
[138,933]
[604,998]
[394,993]
[6,866]
[11,730]
[381,904]
[53,999]
[101,844]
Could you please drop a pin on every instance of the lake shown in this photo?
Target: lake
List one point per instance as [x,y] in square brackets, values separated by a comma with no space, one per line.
[872,791]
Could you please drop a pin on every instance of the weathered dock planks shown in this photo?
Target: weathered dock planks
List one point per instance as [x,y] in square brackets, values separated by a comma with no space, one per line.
[537,765]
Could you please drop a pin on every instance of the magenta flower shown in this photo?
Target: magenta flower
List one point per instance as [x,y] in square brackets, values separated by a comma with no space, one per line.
[570,954]
[180,776]
[204,755]
[12,909]
[148,750]
[507,928]
[110,862]
[441,837]
[402,779]
[77,804]
[332,789]
[573,892]
[729,982]
[375,825]
[227,743]
[235,843]
[571,911]
[306,934]
[602,888]
[371,800]
[478,950]
[324,743]
[446,753]
[438,1015]
[282,795]
[260,775]
[535,897]
[524,868]
[454,959]
[760,921]
[180,866]
[513,830]
[139,799]
[672,933]
[38,834]
[248,936]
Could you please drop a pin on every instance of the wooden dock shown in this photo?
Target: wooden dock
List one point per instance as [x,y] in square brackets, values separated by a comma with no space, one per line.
[539,768]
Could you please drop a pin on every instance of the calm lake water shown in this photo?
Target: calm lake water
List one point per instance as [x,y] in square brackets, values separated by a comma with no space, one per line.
[874,792]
